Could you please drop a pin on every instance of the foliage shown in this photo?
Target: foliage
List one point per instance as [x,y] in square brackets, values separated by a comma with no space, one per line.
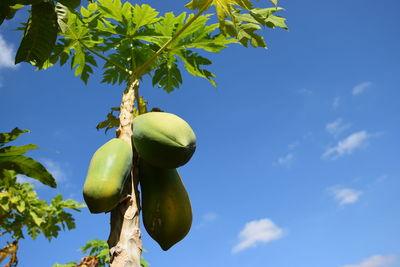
[21,210]
[135,40]
[127,36]
[40,31]
[12,158]
[99,250]
[20,207]
[132,41]
[244,20]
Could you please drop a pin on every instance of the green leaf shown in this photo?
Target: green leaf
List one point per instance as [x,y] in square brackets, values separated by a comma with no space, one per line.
[193,62]
[29,167]
[275,2]
[142,16]
[197,4]
[21,206]
[111,9]
[167,76]
[112,121]
[265,17]
[16,150]
[39,36]
[8,137]
[38,221]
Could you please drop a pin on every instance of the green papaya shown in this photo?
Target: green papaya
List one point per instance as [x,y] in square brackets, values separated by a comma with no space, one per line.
[163,139]
[108,170]
[166,208]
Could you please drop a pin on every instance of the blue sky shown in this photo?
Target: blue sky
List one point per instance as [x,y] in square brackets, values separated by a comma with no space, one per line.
[297,162]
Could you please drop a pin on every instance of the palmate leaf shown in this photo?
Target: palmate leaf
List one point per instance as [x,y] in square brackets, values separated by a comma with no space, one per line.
[39,36]
[140,16]
[82,61]
[244,26]
[29,167]
[193,62]
[238,26]
[224,8]
[167,75]
[112,121]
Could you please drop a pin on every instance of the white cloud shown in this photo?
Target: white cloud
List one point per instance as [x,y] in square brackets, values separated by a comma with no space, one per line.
[257,231]
[6,54]
[209,217]
[336,102]
[25,179]
[285,160]
[346,195]
[360,88]
[347,145]
[375,261]
[55,169]
[337,127]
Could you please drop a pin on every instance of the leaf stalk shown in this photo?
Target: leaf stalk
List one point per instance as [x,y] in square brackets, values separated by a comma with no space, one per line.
[142,69]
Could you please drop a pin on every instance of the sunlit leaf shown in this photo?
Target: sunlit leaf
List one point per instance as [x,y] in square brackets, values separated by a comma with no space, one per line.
[16,150]
[8,137]
[29,167]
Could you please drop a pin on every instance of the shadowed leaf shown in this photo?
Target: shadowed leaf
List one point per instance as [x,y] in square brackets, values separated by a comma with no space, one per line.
[39,36]
[29,167]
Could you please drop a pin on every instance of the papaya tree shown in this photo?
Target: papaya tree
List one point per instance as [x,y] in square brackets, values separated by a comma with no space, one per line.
[22,212]
[126,43]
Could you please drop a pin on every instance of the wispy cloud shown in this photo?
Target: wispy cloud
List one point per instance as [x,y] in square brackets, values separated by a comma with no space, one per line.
[284,160]
[360,88]
[6,54]
[207,218]
[293,145]
[256,232]
[305,91]
[347,145]
[346,195]
[25,179]
[337,127]
[336,102]
[55,169]
[375,261]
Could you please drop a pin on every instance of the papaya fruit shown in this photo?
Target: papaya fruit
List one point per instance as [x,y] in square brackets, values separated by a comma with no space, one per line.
[163,139]
[166,208]
[108,170]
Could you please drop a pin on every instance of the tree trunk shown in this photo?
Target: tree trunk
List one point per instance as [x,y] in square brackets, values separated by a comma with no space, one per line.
[124,240]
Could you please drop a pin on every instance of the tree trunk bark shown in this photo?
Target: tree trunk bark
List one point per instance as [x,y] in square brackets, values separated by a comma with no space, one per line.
[124,240]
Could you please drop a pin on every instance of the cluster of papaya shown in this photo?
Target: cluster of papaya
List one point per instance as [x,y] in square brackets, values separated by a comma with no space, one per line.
[164,142]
